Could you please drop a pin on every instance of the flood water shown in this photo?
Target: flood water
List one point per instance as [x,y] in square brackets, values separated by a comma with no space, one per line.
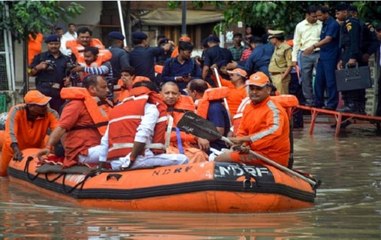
[348,203]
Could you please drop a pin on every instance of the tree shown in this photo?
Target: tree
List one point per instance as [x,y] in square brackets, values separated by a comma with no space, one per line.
[282,15]
[26,16]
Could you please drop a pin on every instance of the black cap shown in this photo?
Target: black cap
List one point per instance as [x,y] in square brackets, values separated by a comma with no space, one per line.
[163,40]
[342,7]
[378,28]
[213,39]
[52,38]
[352,8]
[116,35]
[139,35]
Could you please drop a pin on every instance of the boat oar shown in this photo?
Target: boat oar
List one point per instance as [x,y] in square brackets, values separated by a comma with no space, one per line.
[200,127]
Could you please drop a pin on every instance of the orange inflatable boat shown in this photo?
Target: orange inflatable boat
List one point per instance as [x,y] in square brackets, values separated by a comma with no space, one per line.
[200,187]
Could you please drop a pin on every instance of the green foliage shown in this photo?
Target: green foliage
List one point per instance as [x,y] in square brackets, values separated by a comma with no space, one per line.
[282,15]
[29,16]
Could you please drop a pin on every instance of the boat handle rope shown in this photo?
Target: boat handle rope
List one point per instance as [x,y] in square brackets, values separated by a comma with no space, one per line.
[81,183]
[247,183]
[26,169]
[54,179]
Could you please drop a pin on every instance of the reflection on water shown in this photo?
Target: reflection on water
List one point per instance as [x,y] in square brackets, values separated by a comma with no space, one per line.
[348,205]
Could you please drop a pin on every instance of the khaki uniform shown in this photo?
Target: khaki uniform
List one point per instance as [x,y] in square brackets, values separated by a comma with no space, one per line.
[279,63]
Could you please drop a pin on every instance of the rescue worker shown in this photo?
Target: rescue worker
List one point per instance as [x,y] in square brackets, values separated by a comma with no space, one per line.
[350,39]
[281,62]
[51,71]
[83,40]
[26,127]
[35,40]
[237,89]
[135,136]
[120,58]
[82,123]
[208,102]
[264,127]
[181,142]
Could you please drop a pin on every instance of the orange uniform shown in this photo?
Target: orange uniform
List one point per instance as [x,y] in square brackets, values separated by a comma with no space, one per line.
[27,134]
[235,96]
[267,124]
[287,101]
[84,121]
[34,46]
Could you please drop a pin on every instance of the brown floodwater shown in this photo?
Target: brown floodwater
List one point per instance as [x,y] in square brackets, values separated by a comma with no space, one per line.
[348,203]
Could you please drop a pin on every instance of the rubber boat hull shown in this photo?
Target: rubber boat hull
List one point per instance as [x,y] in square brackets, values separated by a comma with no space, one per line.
[199,187]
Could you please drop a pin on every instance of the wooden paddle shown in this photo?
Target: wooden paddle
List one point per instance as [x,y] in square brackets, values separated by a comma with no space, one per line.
[200,127]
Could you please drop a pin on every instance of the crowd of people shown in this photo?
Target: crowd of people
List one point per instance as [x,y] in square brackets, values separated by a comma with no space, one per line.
[120,108]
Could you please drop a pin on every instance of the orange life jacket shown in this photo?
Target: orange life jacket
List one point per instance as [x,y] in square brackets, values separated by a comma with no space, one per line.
[287,101]
[126,117]
[121,91]
[184,104]
[77,49]
[211,94]
[159,68]
[97,113]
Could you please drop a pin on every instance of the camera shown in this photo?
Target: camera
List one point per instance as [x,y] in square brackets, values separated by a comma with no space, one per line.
[74,76]
[50,65]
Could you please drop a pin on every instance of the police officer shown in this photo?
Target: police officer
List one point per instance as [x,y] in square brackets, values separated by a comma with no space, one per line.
[51,71]
[142,57]
[120,59]
[368,42]
[281,61]
[214,55]
[350,38]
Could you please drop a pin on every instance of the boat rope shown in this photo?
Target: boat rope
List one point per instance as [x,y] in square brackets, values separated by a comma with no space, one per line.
[247,183]
[26,169]
[81,183]
[54,179]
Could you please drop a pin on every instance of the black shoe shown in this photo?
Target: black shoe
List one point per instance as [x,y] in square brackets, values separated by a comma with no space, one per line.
[314,105]
[343,124]
[347,109]
[329,108]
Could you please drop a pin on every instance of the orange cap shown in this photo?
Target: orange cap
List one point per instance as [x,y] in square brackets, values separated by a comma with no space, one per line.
[238,71]
[185,39]
[258,79]
[35,97]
